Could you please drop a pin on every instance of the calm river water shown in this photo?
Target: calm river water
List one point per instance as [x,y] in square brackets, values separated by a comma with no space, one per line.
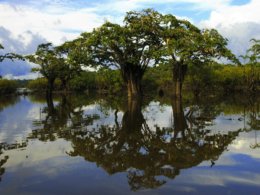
[101,145]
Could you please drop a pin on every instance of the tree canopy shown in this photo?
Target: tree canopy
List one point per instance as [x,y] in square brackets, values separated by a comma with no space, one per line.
[186,45]
[69,66]
[50,63]
[147,38]
[131,47]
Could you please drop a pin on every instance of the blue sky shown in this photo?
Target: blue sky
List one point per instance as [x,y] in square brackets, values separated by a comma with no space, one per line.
[26,23]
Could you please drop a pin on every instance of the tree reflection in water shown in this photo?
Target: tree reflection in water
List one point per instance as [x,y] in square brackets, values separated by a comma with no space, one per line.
[62,120]
[254,120]
[149,156]
[6,101]
[4,158]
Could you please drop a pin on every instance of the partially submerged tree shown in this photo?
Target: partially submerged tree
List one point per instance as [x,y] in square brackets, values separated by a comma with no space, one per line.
[130,47]
[50,64]
[186,45]
[147,37]
[70,66]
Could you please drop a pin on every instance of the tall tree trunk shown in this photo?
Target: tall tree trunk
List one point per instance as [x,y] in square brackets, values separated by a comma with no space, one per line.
[179,72]
[177,88]
[64,85]
[49,89]
[50,104]
[133,77]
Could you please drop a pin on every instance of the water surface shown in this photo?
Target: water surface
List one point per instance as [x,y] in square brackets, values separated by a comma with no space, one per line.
[101,145]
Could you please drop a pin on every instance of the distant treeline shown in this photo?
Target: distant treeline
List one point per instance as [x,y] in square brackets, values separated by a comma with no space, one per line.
[224,78]
[8,86]
[221,78]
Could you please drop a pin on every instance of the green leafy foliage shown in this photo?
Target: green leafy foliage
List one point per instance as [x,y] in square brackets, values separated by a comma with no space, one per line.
[41,85]
[158,77]
[70,66]
[149,49]
[48,60]
[84,81]
[187,47]
[7,86]
[110,80]
[50,64]
[130,47]
[104,80]
[219,77]
[253,57]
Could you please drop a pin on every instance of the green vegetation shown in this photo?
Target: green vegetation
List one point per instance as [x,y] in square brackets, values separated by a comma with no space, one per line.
[50,64]
[41,84]
[130,47]
[214,78]
[225,78]
[7,86]
[187,47]
[104,80]
[253,55]
[146,38]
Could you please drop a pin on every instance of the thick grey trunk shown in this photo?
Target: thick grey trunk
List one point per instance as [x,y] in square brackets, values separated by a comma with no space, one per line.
[179,72]
[49,89]
[133,81]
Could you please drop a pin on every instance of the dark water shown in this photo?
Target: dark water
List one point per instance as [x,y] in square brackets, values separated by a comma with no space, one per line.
[102,145]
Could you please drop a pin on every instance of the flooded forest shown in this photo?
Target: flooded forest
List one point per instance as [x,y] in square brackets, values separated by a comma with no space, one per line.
[152,106]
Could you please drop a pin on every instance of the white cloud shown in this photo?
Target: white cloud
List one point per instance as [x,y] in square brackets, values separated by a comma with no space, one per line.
[237,23]
[54,27]
[24,43]
[56,21]
[229,15]
[25,76]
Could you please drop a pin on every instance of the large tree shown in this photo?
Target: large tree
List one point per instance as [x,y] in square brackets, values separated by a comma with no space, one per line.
[50,64]
[71,66]
[186,45]
[146,38]
[130,47]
